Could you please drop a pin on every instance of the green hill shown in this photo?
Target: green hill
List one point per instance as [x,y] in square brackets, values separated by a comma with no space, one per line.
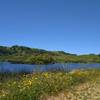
[22,54]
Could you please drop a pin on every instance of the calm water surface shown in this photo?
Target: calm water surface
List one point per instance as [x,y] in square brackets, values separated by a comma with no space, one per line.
[9,67]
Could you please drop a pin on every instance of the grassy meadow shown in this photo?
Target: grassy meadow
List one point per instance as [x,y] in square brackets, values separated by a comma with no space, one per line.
[75,85]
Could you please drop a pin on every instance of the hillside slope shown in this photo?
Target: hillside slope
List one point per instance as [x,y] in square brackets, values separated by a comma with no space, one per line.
[22,54]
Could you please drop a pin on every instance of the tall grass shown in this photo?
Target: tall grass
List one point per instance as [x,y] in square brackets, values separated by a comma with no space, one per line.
[35,86]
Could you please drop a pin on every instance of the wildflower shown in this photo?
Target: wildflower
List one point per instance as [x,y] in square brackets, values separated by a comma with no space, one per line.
[3,95]
[46,75]
[14,82]
[36,78]
[30,83]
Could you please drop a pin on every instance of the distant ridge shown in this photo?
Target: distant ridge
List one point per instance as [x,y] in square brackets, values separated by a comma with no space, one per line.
[23,54]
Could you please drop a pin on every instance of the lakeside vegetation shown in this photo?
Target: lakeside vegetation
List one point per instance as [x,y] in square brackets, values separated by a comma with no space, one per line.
[52,85]
[75,85]
[22,54]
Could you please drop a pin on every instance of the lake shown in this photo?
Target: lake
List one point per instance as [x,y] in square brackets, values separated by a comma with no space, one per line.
[9,67]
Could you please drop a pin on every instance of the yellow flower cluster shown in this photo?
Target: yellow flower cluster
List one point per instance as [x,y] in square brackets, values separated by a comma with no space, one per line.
[46,75]
[3,93]
[27,83]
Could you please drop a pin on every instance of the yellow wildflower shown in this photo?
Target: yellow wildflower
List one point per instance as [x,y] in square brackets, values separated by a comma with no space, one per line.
[46,75]
[30,83]
[36,78]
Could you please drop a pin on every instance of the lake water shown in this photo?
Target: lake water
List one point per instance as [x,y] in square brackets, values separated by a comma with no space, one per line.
[9,67]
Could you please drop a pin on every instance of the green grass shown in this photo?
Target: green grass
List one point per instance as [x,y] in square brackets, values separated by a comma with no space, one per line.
[36,86]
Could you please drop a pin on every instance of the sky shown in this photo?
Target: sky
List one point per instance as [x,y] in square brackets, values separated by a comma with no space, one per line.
[69,25]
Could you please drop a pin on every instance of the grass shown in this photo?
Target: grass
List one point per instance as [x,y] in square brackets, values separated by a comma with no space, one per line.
[38,86]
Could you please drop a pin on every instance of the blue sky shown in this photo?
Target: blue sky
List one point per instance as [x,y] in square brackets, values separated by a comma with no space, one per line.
[69,25]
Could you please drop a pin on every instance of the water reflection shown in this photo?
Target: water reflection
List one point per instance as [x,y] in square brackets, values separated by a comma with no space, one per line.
[9,67]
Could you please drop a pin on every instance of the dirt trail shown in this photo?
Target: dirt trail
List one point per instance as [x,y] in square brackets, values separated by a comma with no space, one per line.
[86,91]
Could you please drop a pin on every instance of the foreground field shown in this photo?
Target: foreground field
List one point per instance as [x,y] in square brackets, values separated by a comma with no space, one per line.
[86,91]
[76,85]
